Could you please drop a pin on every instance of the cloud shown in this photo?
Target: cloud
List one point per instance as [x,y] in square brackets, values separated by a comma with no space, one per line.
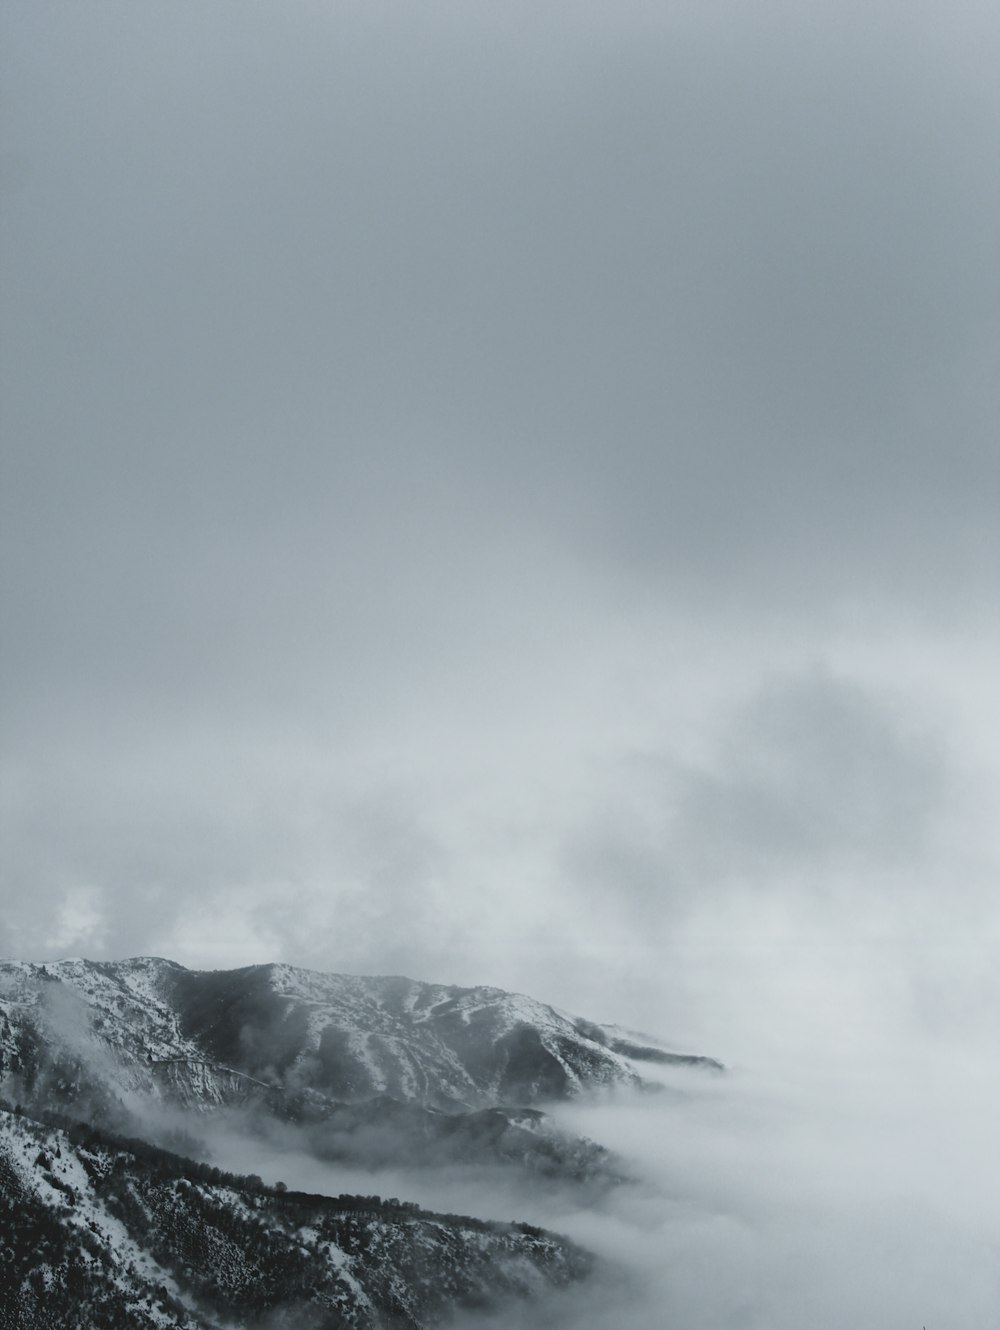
[509,495]
[719,306]
[815,768]
[827,1191]
[811,778]
[479,488]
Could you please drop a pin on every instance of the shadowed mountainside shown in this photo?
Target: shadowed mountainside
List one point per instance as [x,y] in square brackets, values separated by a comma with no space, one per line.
[371,1069]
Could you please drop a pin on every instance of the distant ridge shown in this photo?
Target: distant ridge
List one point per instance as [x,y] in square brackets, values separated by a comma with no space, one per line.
[210,1037]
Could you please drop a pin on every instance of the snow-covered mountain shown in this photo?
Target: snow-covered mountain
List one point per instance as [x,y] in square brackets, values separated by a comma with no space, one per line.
[102,1232]
[151,1027]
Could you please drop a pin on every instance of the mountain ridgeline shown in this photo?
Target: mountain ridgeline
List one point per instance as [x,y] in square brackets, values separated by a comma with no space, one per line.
[298,1041]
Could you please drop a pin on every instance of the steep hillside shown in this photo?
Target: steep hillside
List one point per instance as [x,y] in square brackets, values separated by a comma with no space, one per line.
[230,1035]
[368,1071]
[109,1233]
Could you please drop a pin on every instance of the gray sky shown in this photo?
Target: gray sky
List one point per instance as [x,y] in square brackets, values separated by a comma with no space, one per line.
[509,494]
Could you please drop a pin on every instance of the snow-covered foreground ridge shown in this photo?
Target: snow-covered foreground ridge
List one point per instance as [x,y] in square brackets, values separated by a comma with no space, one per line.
[150,1026]
[99,1231]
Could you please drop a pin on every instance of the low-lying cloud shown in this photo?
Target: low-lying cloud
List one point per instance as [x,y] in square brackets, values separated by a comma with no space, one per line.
[827,1193]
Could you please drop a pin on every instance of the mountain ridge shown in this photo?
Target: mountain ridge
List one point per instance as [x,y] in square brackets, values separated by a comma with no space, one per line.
[349,1037]
[119,1235]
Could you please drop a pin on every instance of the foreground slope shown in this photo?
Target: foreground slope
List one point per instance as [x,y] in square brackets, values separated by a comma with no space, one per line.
[104,1232]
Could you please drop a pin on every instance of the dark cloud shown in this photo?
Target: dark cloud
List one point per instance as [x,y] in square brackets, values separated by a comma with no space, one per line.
[719,304]
[409,416]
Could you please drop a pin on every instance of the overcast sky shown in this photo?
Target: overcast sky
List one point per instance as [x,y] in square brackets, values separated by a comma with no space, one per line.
[509,493]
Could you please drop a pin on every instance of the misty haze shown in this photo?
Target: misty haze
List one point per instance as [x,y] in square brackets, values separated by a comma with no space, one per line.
[499,629]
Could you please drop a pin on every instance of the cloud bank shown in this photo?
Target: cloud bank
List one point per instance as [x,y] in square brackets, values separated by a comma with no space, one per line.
[508,497]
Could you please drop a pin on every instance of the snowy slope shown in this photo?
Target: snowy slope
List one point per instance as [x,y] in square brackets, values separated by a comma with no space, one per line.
[98,1231]
[150,1027]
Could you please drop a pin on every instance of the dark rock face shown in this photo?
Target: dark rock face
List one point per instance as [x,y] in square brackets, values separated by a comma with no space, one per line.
[530,1071]
[237,1018]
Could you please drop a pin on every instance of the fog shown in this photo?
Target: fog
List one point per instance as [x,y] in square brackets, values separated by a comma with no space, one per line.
[508,494]
[829,1192]
[481,489]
